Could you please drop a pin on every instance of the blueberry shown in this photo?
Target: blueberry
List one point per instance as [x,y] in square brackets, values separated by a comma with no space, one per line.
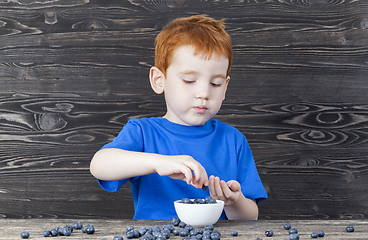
[320,233]
[166,233]
[129,228]
[189,227]
[209,227]
[199,231]
[217,233]
[24,234]
[215,236]
[156,229]
[77,225]
[54,232]
[184,232]
[147,236]
[293,236]
[210,200]
[118,237]
[234,233]
[69,227]
[293,231]
[142,231]
[46,233]
[349,228]
[269,233]
[175,221]
[58,230]
[186,201]
[129,235]
[287,226]
[66,231]
[199,201]
[193,233]
[207,233]
[314,235]
[182,224]
[176,231]
[90,229]
[258,239]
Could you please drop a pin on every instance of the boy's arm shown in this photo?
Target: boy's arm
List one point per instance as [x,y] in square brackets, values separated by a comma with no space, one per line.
[115,164]
[237,206]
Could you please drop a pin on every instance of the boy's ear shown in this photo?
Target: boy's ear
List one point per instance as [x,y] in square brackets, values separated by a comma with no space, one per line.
[227,83]
[156,79]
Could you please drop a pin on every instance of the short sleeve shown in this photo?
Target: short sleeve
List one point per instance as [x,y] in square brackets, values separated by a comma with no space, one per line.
[130,138]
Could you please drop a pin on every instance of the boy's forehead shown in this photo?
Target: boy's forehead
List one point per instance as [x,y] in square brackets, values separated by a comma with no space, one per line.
[191,51]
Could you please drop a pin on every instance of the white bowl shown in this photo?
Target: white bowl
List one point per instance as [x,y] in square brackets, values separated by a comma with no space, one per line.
[199,215]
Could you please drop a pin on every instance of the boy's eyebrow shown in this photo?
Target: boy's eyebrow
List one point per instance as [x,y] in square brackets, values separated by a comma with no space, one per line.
[196,73]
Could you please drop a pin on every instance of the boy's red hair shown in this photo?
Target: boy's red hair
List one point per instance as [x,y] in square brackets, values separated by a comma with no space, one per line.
[206,35]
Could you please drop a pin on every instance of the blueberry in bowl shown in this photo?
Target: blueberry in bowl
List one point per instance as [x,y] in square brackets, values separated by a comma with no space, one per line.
[199,212]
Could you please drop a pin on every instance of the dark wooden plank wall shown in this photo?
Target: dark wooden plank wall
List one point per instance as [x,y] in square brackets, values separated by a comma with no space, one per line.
[73,72]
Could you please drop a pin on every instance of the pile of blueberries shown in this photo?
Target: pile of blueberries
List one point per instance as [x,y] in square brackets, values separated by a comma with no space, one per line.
[207,200]
[293,232]
[187,232]
[64,231]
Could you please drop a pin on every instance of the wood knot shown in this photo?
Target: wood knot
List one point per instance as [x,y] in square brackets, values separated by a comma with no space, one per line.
[90,25]
[51,122]
[50,17]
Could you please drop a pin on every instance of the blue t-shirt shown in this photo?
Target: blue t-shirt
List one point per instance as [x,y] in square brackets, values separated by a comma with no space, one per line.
[221,149]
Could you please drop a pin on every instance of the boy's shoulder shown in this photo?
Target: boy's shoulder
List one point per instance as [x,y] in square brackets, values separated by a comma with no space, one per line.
[225,126]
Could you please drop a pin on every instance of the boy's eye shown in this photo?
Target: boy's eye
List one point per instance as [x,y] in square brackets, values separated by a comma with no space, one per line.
[188,81]
[216,84]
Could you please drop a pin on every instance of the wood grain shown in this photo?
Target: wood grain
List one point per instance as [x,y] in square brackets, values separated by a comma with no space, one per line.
[72,73]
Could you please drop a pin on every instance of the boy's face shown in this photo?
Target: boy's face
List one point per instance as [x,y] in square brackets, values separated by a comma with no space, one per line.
[194,87]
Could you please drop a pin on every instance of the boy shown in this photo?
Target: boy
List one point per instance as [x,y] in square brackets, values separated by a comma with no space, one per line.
[192,62]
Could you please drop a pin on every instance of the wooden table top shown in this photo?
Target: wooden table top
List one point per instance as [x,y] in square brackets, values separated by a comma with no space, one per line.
[333,229]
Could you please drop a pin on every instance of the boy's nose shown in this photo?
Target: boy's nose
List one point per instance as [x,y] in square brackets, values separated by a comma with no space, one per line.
[202,93]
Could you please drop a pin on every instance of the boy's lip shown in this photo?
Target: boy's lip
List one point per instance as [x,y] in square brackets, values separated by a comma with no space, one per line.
[200,109]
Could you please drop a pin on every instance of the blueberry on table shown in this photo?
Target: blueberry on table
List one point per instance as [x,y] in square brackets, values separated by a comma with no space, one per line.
[268,233]
[349,228]
[175,221]
[209,227]
[46,233]
[320,233]
[54,232]
[77,225]
[215,236]
[118,237]
[130,234]
[287,226]
[314,235]
[258,239]
[66,231]
[24,234]
[182,224]
[234,233]
[293,231]
[90,229]
[129,228]
[293,236]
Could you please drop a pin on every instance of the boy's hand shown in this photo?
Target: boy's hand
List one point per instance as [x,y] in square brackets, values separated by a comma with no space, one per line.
[228,192]
[183,167]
